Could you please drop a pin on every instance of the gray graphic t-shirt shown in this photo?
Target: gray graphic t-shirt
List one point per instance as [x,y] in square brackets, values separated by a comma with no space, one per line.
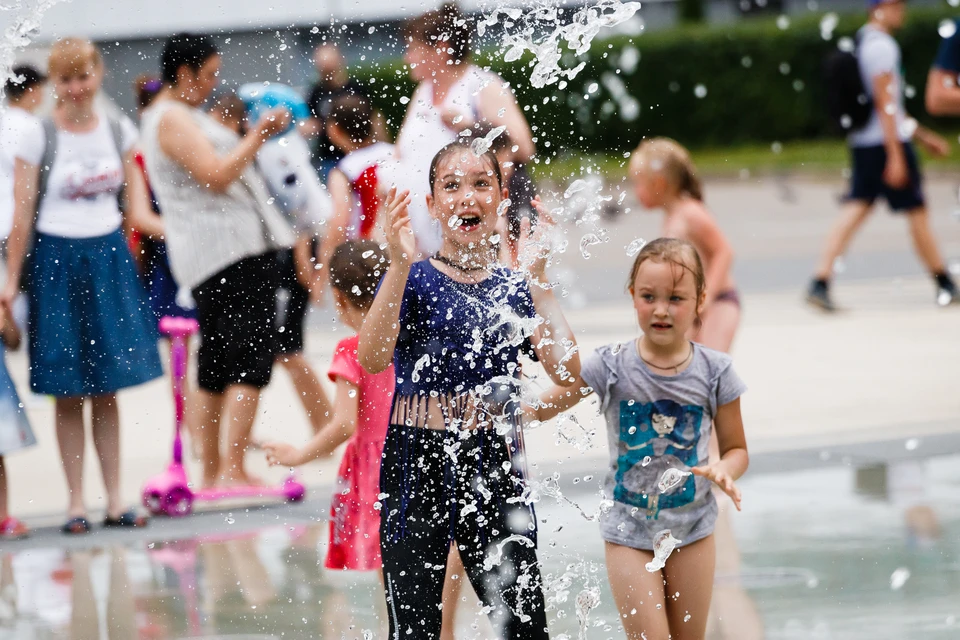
[656,423]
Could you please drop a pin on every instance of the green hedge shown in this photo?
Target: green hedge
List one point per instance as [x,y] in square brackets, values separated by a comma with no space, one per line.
[763,84]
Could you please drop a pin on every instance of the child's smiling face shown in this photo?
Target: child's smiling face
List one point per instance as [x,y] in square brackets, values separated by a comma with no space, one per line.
[465,197]
[665,298]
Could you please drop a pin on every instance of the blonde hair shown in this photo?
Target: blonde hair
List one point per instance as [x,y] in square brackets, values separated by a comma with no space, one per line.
[668,157]
[70,56]
[679,253]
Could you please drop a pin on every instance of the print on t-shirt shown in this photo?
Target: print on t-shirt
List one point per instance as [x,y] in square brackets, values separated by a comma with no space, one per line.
[88,178]
[666,432]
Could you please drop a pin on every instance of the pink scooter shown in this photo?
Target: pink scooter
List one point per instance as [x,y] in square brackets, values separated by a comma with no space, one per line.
[170,492]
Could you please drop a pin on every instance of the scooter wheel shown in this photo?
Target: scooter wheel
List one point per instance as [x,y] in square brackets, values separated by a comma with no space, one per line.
[179,502]
[153,502]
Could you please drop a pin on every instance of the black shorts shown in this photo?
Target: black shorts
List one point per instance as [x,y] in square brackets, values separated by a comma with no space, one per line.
[293,300]
[866,182]
[236,309]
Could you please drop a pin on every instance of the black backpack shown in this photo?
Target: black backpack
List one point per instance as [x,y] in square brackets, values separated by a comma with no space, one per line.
[848,102]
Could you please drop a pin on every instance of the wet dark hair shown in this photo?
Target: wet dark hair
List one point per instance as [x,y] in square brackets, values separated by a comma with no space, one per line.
[673,251]
[146,88]
[185,49]
[354,116]
[355,270]
[446,24]
[459,145]
[31,78]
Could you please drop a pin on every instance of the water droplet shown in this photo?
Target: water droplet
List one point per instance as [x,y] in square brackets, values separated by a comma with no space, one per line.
[783,23]
[663,545]
[899,578]
[586,241]
[846,121]
[616,348]
[912,444]
[700,91]
[367,254]
[635,246]
[229,519]
[947,28]
[352,393]
[686,618]
[827,24]
[839,265]
[671,479]
[404,100]
[646,460]
[575,186]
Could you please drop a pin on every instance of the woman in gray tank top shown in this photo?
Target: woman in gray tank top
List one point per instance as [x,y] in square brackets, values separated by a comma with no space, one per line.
[222,236]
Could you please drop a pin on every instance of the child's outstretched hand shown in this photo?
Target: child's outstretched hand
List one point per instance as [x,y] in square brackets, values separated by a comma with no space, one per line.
[282,454]
[400,240]
[534,244]
[718,475]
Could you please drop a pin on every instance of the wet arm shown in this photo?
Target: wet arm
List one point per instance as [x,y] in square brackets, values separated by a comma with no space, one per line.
[25,186]
[553,340]
[137,201]
[340,428]
[381,327]
[733,443]
[555,401]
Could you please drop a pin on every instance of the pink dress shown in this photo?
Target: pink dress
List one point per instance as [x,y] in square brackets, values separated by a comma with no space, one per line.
[354,522]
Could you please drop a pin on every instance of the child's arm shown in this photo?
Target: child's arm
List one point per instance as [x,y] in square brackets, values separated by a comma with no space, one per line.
[553,340]
[381,327]
[555,401]
[9,332]
[734,459]
[340,428]
[715,250]
[337,229]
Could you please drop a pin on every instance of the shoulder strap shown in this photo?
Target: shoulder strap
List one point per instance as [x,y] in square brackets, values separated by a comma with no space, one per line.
[46,160]
[116,132]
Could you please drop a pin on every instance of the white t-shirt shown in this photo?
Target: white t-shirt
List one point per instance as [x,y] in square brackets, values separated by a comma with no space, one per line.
[84,180]
[379,155]
[13,124]
[878,54]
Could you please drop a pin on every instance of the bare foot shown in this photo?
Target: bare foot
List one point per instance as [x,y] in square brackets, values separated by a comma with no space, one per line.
[239,480]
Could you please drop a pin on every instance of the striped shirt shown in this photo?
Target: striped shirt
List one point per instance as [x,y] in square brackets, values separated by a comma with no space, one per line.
[208,231]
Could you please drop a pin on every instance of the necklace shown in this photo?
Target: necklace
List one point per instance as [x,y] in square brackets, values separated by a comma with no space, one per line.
[458,266]
[675,367]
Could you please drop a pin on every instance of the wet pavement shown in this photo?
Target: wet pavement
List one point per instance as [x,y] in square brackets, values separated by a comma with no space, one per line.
[837,549]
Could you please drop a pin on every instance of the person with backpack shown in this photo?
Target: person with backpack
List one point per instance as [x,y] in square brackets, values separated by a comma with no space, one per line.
[884,161]
[91,328]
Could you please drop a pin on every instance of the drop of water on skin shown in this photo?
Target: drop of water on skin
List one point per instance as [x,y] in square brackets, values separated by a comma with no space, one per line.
[686,618]
[899,578]
[947,28]
[352,393]
[671,479]
[586,241]
[846,44]
[634,247]
[356,291]
[912,444]
[663,545]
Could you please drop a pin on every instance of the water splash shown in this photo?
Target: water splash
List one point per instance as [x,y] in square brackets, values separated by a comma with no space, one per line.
[418,367]
[635,247]
[588,240]
[541,32]
[671,479]
[663,545]
[899,578]
[494,559]
[587,601]
[481,145]
[23,27]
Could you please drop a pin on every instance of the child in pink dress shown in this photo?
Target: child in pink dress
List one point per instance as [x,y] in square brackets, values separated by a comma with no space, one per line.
[361,414]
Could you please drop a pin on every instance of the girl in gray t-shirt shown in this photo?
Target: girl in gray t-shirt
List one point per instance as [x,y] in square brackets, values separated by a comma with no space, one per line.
[661,395]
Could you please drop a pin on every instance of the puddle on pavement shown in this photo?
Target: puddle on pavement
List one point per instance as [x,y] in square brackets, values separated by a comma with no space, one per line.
[817,555]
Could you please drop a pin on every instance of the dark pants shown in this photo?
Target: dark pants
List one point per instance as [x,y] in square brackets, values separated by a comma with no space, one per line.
[433,499]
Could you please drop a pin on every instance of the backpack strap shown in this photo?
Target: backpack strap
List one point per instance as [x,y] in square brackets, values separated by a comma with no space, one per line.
[46,160]
[116,134]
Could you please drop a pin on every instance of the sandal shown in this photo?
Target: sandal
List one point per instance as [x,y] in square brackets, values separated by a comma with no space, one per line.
[127,519]
[13,529]
[75,526]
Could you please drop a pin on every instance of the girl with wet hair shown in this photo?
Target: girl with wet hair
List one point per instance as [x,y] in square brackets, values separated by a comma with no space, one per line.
[661,396]
[453,326]
[664,177]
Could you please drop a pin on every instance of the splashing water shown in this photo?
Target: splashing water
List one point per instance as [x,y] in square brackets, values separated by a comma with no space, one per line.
[671,479]
[418,367]
[947,29]
[23,26]
[663,545]
[494,559]
[635,247]
[646,460]
[587,601]
[586,241]
[578,35]
[481,145]
[574,187]
[899,578]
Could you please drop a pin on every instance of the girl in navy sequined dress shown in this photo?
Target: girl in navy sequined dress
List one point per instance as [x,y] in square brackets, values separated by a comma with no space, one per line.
[454,326]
